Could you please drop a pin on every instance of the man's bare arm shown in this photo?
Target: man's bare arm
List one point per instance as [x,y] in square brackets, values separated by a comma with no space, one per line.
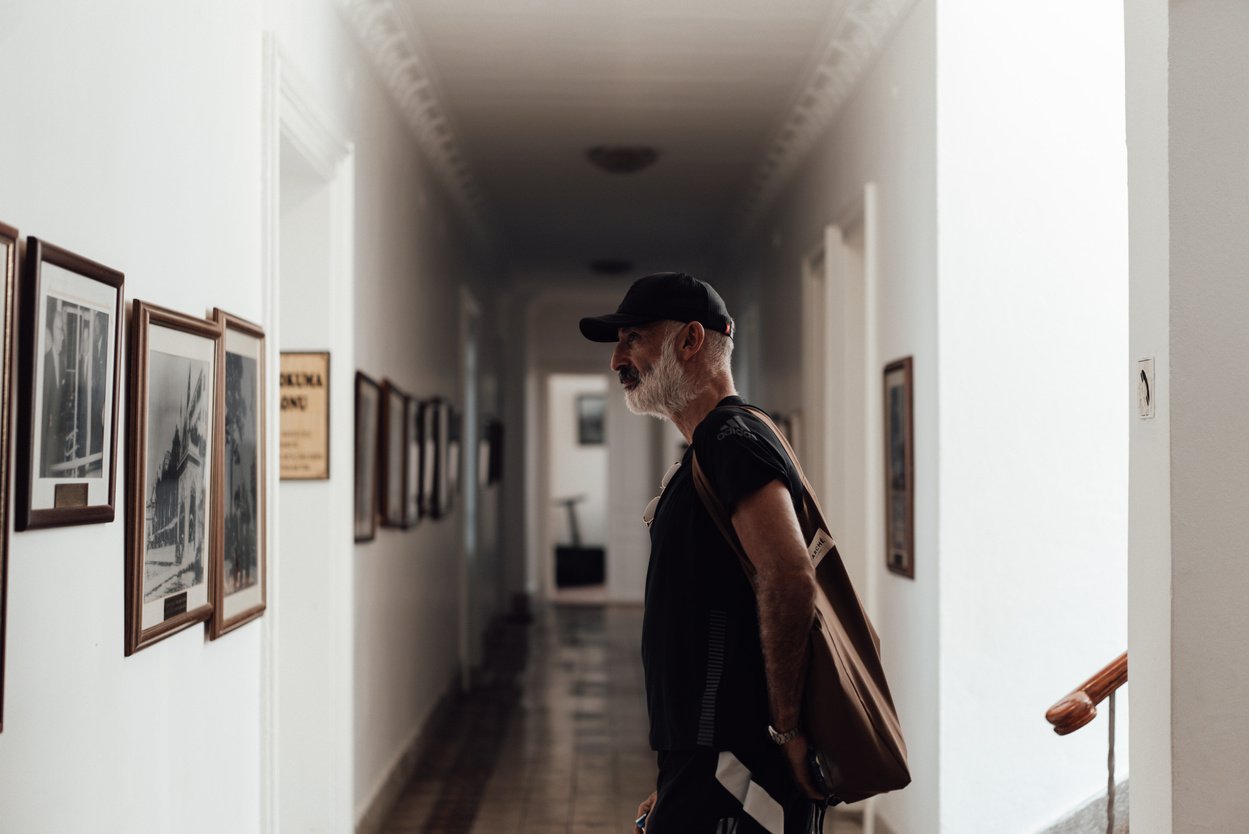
[785,586]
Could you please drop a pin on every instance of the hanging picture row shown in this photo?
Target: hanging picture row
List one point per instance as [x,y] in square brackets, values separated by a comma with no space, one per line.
[195,493]
[409,456]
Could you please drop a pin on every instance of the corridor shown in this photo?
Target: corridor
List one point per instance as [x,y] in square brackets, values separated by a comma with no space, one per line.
[552,740]
[983,261]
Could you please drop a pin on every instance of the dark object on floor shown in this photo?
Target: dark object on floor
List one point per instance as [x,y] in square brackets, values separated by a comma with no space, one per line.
[578,566]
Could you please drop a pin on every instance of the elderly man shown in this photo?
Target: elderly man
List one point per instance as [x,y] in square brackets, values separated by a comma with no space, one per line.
[724,661]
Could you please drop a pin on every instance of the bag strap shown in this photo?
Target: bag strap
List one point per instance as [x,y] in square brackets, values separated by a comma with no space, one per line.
[715,508]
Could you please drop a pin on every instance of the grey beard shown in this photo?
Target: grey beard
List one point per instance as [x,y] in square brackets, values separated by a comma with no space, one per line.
[663,391]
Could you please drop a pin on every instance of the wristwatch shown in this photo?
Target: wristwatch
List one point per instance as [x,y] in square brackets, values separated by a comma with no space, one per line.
[783,738]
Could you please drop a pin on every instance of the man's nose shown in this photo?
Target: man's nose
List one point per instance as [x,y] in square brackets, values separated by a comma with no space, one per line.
[618,359]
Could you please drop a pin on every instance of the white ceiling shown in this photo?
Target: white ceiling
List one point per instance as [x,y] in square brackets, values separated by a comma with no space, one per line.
[517,90]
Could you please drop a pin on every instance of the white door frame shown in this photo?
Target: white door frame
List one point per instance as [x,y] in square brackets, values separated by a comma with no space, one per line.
[289,112]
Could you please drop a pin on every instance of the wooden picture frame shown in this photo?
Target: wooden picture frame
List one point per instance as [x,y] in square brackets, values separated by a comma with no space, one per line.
[304,443]
[429,458]
[455,456]
[240,484]
[70,330]
[437,424]
[9,262]
[899,425]
[393,452]
[413,501]
[171,471]
[368,420]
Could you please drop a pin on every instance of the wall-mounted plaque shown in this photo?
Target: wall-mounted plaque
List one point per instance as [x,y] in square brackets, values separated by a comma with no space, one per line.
[305,401]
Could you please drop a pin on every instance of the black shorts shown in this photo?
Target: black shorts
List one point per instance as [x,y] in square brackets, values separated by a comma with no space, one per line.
[714,792]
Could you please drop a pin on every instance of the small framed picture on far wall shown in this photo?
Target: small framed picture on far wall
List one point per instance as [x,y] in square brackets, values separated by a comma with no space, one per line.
[899,468]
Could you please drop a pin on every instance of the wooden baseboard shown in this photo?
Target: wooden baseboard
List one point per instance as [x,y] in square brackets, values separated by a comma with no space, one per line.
[373,820]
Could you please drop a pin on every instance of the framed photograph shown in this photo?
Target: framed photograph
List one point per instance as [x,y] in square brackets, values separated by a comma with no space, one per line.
[899,469]
[393,454]
[590,411]
[429,457]
[368,420]
[170,473]
[455,451]
[438,423]
[494,442]
[67,418]
[239,565]
[304,385]
[8,283]
[413,480]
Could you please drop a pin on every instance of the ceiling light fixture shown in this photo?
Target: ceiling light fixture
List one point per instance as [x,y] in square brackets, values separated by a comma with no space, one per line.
[622,159]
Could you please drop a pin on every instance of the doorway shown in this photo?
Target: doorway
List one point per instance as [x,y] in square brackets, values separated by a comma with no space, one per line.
[307,640]
[576,510]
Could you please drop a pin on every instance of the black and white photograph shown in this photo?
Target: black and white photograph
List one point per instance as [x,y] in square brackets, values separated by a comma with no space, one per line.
[173,413]
[591,409]
[899,469]
[8,279]
[71,324]
[393,454]
[239,502]
[368,419]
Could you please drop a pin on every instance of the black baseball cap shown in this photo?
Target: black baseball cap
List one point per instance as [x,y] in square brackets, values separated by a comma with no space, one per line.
[663,296]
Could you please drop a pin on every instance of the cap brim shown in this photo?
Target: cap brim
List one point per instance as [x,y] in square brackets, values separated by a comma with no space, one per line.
[606,328]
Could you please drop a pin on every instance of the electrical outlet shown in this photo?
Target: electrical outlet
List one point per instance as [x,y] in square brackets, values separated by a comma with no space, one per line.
[1146,393]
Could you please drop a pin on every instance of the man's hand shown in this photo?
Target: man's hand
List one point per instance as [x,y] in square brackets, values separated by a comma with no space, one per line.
[645,807]
[796,750]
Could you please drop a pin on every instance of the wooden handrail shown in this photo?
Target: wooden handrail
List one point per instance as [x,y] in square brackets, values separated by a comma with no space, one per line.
[1080,707]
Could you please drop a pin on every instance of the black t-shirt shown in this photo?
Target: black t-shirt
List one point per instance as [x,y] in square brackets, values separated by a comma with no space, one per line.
[705,684]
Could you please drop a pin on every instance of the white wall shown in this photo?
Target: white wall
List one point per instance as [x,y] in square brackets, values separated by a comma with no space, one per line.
[576,469]
[1000,266]
[1149,537]
[130,140]
[1209,258]
[885,134]
[136,144]
[1032,440]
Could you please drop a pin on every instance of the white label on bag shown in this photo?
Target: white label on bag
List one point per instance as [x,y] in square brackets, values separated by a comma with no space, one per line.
[820,546]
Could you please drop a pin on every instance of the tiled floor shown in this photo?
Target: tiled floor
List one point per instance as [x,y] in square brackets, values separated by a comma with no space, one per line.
[553,740]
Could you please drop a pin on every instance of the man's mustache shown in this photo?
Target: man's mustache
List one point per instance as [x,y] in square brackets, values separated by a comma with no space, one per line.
[629,374]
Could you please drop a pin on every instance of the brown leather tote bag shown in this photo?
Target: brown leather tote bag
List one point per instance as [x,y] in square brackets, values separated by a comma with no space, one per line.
[847,711]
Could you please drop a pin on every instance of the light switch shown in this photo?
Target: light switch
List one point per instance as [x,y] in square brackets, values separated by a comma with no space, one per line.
[1145,391]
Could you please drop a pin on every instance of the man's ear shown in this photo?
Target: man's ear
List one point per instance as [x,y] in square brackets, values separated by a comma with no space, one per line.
[693,336]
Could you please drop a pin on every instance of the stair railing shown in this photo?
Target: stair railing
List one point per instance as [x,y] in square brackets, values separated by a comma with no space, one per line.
[1079,707]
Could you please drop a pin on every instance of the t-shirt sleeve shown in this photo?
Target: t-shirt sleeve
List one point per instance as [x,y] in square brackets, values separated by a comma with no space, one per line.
[737,453]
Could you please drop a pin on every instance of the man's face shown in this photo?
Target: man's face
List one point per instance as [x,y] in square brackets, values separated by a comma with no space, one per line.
[58,332]
[650,370]
[637,351]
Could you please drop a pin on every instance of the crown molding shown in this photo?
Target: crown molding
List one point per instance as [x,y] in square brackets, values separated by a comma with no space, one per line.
[854,38]
[388,36]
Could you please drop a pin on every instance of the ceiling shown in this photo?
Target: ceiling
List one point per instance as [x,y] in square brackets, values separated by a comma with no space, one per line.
[509,95]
